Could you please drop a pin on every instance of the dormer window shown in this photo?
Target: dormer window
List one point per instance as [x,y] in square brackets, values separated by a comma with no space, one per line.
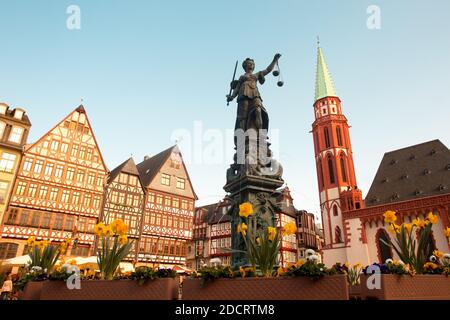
[404,176]
[374,200]
[432,152]
[447,167]
[442,187]
[395,196]
[426,172]
[418,192]
[412,157]
[16,134]
[18,113]
[385,179]
[393,161]
[3,108]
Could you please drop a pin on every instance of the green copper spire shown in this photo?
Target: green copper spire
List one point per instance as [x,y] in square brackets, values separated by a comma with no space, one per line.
[324,83]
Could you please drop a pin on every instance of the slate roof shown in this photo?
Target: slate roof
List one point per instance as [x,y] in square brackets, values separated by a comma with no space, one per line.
[149,168]
[214,213]
[128,166]
[418,171]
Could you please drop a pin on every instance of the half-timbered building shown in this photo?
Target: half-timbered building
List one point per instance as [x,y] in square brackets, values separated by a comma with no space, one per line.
[59,187]
[14,128]
[169,209]
[124,199]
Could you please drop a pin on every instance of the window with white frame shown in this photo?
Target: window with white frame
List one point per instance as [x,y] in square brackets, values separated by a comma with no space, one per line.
[165,179]
[3,191]
[16,134]
[7,162]
[38,166]
[27,164]
[181,183]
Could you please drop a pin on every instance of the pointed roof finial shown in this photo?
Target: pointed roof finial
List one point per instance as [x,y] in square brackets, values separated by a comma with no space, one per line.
[324,82]
[318,41]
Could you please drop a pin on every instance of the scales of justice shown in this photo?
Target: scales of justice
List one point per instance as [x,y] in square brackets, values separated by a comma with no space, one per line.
[254,176]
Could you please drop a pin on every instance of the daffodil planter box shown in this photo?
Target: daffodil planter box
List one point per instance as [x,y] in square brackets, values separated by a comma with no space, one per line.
[32,290]
[296,288]
[355,292]
[405,287]
[158,289]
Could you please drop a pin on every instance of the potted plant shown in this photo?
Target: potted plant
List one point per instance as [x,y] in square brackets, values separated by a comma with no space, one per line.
[66,282]
[43,257]
[262,280]
[353,274]
[142,284]
[413,275]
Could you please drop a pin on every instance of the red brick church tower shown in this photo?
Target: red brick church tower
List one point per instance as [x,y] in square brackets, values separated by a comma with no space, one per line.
[334,161]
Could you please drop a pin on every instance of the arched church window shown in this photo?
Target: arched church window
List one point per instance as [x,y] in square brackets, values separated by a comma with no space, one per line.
[335,210]
[339,135]
[331,170]
[338,235]
[321,173]
[317,142]
[384,251]
[343,171]
[327,137]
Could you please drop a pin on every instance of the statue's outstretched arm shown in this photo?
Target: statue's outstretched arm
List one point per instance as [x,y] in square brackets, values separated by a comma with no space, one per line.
[271,65]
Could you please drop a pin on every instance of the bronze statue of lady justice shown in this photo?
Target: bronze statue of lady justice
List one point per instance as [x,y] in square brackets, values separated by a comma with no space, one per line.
[251,113]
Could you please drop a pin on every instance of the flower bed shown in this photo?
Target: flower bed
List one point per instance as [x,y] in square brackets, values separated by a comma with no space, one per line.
[157,289]
[403,287]
[280,288]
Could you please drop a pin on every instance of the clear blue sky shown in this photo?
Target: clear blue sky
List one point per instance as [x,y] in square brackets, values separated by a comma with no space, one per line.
[147,68]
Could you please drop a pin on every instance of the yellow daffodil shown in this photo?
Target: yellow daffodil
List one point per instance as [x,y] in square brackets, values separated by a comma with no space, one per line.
[358,265]
[347,265]
[394,228]
[108,232]
[31,242]
[300,262]
[249,269]
[44,244]
[245,209]
[390,216]
[408,227]
[242,228]
[242,271]
[123,239]
[447,232]
[119,227]
[99,229]
[438,254]
[289,228]
[420,224]
[430,265]
[432,218]
[280,272]
[258,241]
[271,233]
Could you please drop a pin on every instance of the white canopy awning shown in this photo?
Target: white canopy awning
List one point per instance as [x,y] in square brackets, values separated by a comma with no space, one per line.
[17,261]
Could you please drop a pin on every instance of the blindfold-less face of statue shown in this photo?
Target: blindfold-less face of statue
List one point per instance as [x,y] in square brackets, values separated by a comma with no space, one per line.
[249,66]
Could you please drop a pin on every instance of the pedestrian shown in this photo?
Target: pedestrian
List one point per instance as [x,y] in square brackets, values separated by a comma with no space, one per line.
[7,288]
